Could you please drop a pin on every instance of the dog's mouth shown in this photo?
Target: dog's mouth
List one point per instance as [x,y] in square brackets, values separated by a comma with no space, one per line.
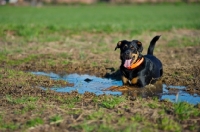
[129,61]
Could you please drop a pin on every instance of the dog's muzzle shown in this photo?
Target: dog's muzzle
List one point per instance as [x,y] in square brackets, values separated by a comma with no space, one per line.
[130,59]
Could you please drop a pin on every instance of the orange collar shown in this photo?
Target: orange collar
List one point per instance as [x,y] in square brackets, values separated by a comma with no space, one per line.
[136,64]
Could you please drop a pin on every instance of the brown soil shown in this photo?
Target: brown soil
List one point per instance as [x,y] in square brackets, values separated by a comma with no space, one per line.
[181,67]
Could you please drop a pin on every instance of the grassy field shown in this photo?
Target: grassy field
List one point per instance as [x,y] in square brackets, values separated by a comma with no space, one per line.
[33,22]
[81,39]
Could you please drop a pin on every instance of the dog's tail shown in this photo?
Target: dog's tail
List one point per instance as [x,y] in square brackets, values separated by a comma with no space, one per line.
[152,45]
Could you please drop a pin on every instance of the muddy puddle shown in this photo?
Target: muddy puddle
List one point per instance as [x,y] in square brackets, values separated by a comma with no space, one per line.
[83,83]
[98,86]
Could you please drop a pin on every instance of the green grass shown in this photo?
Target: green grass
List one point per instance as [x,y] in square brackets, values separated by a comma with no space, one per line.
[55,119]
[96,115]
[110,117]
[21,100]
[183,42]
[137,118]
[25,109]
[33,23]
[10,126]
[111,102]
[71,101]
[5,58]
[185,111]
[168,124]
[34,122]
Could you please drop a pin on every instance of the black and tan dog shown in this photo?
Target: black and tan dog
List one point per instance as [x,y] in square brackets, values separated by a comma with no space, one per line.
[137,69]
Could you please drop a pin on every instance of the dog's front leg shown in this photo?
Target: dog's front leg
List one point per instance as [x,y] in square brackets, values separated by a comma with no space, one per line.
[125,81]
[134,81]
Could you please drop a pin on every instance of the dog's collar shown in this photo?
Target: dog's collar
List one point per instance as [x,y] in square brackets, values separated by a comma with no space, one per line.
[136,64]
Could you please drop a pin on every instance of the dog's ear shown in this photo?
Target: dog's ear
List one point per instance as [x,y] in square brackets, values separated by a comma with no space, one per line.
[118,45]
[139,45]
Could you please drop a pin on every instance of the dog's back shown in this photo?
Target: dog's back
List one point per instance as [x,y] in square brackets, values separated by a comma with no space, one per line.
[158,70]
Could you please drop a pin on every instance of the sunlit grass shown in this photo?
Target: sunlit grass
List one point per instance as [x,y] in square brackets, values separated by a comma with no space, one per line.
[55,22]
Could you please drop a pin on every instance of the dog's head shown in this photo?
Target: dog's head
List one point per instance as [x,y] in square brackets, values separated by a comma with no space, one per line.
[130,51]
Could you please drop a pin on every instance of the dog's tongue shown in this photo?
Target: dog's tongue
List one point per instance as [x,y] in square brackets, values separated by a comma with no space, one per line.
[127,63]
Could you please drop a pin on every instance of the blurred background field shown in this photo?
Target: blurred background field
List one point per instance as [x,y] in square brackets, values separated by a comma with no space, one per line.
[34,23]
[88,2]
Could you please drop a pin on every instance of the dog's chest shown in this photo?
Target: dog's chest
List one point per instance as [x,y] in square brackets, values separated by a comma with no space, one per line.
[130,77]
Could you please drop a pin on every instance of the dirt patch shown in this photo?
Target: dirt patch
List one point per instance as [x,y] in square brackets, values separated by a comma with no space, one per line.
[88,56]
[25,106]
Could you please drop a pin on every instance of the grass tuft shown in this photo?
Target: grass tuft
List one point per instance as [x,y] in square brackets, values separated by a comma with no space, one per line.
[55,119]
[112,101]
[21,100]
[185,110]
[34,122]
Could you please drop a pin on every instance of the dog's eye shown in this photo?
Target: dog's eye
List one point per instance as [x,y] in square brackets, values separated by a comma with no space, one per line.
[125,46]
[132,47]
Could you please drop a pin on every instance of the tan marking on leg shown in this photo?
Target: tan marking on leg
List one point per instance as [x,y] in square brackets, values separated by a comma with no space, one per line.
[124,80]
[134,80]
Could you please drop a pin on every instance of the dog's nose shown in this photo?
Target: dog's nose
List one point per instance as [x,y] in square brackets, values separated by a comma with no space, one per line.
[127,52]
